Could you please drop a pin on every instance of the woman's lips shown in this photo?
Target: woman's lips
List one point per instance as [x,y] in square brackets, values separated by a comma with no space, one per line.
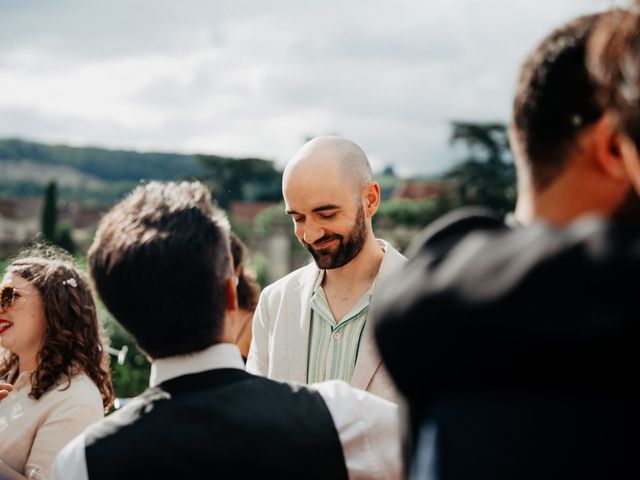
[5,325]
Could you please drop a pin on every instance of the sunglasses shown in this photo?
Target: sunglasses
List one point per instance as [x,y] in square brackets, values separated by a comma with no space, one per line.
[7,295]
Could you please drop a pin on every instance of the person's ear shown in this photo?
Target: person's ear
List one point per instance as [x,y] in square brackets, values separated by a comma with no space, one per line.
[609,150]
[231,294]
[371,198]
[629,153]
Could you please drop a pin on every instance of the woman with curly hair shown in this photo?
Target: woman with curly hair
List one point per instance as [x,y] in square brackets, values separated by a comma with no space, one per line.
[248,293]
[54,369]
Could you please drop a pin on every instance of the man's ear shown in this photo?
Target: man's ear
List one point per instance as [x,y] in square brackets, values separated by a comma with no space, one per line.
[371,198]
[231,294]
[227,335]
[609,150]
[631,158]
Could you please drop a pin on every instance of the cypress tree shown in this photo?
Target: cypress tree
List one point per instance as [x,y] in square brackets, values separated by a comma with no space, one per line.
[49,218]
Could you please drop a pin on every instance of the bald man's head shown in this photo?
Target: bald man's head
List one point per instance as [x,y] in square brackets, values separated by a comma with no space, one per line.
[332,154]
[330,196]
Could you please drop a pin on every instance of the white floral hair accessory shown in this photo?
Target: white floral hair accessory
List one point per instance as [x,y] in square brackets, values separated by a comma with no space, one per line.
[71,282]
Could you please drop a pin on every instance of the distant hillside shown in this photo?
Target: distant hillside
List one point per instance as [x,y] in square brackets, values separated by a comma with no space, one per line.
[101,175]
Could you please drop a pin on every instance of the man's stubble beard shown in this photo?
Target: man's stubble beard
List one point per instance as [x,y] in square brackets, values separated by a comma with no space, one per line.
[346,250]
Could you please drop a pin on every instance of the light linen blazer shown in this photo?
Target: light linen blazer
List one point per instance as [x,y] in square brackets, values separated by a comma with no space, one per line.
[280,344]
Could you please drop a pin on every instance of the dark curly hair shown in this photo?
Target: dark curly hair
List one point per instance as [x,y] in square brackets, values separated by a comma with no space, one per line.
[73,340]
[248,291]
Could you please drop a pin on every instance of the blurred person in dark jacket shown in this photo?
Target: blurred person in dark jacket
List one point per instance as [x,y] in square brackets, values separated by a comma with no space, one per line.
[515,348]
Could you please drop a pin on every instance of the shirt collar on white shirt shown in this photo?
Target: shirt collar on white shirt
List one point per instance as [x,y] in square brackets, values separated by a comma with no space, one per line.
[220,355]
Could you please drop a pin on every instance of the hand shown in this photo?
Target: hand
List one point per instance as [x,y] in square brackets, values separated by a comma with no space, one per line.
[5,388]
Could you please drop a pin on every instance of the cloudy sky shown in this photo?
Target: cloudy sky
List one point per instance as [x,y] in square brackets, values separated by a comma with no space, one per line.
[252,77]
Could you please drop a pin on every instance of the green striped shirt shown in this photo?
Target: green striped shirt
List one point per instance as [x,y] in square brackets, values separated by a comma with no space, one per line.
[333,346]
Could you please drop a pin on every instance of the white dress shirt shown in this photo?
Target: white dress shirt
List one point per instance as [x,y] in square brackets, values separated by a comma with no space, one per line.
[367,426]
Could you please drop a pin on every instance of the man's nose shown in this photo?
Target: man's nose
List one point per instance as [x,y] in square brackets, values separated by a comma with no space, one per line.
[312,232]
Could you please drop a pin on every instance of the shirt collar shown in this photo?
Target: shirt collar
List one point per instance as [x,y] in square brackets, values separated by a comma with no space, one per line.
[319,279]
[220,355]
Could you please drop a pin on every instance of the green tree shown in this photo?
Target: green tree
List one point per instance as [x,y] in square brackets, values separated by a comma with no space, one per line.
[49,217]
[241,179]
[486,176]
[414,213]
[64,238]
[57,233]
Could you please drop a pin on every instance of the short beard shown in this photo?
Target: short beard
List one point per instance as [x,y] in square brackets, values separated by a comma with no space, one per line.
[346,250]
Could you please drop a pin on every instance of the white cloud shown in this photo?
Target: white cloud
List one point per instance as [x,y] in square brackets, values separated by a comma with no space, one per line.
[255,78]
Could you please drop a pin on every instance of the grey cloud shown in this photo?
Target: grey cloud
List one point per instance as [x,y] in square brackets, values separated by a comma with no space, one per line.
[392,75]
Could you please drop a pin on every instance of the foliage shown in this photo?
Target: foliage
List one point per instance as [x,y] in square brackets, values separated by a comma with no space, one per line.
[487,176]
[250,179]
[388,182]
[106,194]
[489,139]
[267,218]
[49,217]
[131,377]
[268,221]
[64,238]
[109,165]
[57,233]
[260,266]
[241,228]
[117,171]
[401,211]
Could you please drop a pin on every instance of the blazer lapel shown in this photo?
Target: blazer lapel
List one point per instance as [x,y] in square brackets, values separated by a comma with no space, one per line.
[300,315]
[369,357]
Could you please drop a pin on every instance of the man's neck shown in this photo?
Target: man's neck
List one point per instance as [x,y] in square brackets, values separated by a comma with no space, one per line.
[344,286]
[362,269]
[563,202]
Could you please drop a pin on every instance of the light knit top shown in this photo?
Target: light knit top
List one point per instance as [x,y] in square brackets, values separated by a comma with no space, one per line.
[32,432]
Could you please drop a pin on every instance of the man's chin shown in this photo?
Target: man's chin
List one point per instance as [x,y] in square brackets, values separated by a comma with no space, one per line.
[326,265]
[323,259]
[323,252]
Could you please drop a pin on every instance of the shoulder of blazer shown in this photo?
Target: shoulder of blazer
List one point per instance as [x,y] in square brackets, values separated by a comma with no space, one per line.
[292,280]
[392,262]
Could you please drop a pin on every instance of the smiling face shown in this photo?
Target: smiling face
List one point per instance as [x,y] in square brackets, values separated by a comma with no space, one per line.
[328,215]
[22,323]
[334,250]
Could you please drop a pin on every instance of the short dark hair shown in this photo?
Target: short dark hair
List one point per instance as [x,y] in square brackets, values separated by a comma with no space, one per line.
[159,262]
[614,60]
[555,98]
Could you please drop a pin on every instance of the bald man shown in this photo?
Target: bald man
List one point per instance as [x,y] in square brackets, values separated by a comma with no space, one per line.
[311,325]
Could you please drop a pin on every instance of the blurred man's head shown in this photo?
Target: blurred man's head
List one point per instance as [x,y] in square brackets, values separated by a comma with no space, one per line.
[329,194]
[160,263]
[566,156]
[614,59]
